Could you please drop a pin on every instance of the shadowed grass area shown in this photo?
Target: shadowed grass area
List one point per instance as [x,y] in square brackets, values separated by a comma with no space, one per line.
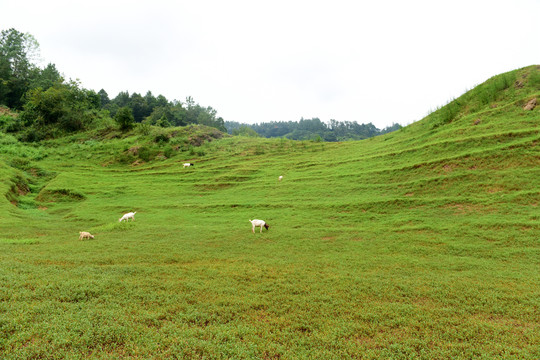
[419,244]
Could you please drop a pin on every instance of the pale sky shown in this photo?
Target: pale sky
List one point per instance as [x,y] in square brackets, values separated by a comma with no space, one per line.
[255,61]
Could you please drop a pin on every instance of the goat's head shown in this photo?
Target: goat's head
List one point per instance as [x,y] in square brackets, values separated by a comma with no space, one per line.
[266,226]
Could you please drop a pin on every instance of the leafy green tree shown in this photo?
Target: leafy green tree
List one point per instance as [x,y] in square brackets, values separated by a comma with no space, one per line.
[45,78]
[16,52]
[150,101]
[122,99]
[124,118]
[178,113]
[45,107]
[139,107]
[104,98]
[160,113]
[163,122]
[65,106]
[196,114]
[5,77]
[161,101]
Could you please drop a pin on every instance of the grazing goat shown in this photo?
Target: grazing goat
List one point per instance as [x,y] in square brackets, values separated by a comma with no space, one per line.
[280,178]
[129,215]
[188,164]
[85,235]
[260,223]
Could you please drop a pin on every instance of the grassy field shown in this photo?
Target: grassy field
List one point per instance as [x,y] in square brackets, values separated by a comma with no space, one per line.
[420,244]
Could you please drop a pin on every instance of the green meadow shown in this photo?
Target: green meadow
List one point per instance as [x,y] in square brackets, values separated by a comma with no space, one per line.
[418,244]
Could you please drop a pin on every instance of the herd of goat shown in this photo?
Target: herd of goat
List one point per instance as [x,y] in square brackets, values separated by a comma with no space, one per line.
[131,215]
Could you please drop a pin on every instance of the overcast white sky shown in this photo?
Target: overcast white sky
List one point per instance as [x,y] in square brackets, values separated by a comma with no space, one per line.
[256,61]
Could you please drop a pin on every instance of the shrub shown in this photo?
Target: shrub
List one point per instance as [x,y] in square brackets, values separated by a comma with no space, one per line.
[145,153]
[144,128]
[124,118]
[161,138]
[168,151]
[6,121]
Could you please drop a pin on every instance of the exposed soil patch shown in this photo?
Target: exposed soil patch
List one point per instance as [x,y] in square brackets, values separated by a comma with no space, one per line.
[137,162]
[134,150]
[22,189]
[530,105]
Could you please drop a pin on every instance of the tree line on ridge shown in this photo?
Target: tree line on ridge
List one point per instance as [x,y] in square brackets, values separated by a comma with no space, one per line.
[47,105]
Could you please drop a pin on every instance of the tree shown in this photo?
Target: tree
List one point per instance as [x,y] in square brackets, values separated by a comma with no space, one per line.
[124,118]
[65,106]
[196,114]
[161,101]
[104,98]
[161,116]
[163,122]
[122,99]
[45,107]
[138,105]
[45,78]
[16,52]
[150,101]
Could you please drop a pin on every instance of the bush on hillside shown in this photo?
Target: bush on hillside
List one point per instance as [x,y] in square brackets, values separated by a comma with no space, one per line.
[124,118]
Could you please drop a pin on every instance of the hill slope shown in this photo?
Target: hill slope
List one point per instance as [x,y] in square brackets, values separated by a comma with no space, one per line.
[422,243]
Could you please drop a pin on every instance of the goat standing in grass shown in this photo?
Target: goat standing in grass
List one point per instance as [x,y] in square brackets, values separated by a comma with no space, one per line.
[188,164]
[85,235]
[129,215]
[261,223]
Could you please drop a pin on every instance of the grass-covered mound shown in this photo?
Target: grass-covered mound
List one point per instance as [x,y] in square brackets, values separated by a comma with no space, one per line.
[422,243]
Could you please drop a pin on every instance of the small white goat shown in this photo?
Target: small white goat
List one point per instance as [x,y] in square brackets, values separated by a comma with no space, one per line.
[260,223]
[280,177]
[129,215]
[188,164]
[85,235]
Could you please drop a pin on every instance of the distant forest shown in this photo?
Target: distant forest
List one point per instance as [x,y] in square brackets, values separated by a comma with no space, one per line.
[310,129]
[46,105]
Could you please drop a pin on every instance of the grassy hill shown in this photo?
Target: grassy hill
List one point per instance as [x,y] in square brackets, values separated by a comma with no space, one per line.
[422,243]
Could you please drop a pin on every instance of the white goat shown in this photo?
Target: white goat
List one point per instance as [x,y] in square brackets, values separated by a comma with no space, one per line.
[129,215]
[280,177]
[85,235]
[260,223]
[188,164]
